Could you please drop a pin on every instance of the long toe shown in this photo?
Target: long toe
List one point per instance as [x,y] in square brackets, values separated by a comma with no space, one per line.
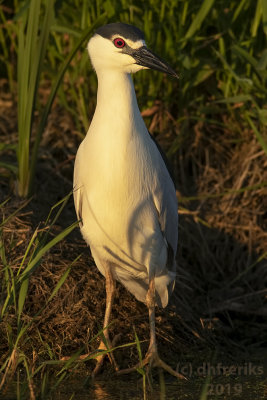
[158,362]
[152,360]
[100,358]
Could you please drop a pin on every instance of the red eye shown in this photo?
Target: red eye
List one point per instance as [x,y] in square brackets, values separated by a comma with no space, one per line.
[119,42]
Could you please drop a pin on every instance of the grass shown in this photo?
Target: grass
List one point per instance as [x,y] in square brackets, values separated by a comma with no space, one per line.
[32,47]
[212,124]
[206,48]
[15,290]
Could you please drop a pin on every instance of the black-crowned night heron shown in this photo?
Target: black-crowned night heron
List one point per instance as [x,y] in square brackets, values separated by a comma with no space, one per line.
[123,192]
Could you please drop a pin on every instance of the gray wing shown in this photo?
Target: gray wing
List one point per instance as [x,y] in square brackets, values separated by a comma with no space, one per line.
[164,158]
[164,197]
[165,201]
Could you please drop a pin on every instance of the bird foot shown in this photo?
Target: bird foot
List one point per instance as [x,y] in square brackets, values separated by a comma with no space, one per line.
[152,359]
[99,357]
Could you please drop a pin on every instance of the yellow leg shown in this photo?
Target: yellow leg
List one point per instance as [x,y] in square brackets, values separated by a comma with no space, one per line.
[110,289]
[152,358]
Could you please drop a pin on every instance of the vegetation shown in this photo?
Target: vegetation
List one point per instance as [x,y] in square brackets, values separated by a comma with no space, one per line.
[212,124]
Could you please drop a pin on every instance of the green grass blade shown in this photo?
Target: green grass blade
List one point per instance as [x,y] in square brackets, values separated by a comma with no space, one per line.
[250,267]
[238,10]
[222,194]
[62,202]
[11,167]
[199,18]
[4,202]
[257,18]
[10,289]
[14,213]
[22,296]
[35,261]
[205,389]
[53,92]
[27,73]
[62,279]
[249,58]
[257,134]
[27,250]
[242,98]
[264,15]
[32,48]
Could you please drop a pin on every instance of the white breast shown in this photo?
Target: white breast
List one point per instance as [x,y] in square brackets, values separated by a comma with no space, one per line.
[118,177]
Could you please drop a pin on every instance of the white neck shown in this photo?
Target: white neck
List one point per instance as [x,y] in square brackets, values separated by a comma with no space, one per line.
[117,111]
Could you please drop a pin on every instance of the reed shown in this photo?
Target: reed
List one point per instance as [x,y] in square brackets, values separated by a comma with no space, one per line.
[33,38]
[218,51]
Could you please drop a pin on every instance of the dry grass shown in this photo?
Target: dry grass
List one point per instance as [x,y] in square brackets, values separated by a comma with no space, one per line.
[220,296]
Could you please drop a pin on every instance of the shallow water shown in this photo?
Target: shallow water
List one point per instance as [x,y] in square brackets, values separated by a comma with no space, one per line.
[246,387]
[226,388]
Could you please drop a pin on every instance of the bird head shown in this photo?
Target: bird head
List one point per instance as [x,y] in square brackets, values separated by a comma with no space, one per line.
[122,47]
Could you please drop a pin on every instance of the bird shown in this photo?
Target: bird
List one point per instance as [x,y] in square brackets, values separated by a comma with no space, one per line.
[124,195]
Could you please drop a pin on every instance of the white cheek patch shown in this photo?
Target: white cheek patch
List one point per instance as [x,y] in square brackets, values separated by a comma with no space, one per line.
[136,45]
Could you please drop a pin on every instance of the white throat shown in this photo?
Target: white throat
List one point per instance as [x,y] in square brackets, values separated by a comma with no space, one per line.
[117,112]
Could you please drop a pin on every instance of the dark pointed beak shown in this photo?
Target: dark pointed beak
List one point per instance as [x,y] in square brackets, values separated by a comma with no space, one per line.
[145,57]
